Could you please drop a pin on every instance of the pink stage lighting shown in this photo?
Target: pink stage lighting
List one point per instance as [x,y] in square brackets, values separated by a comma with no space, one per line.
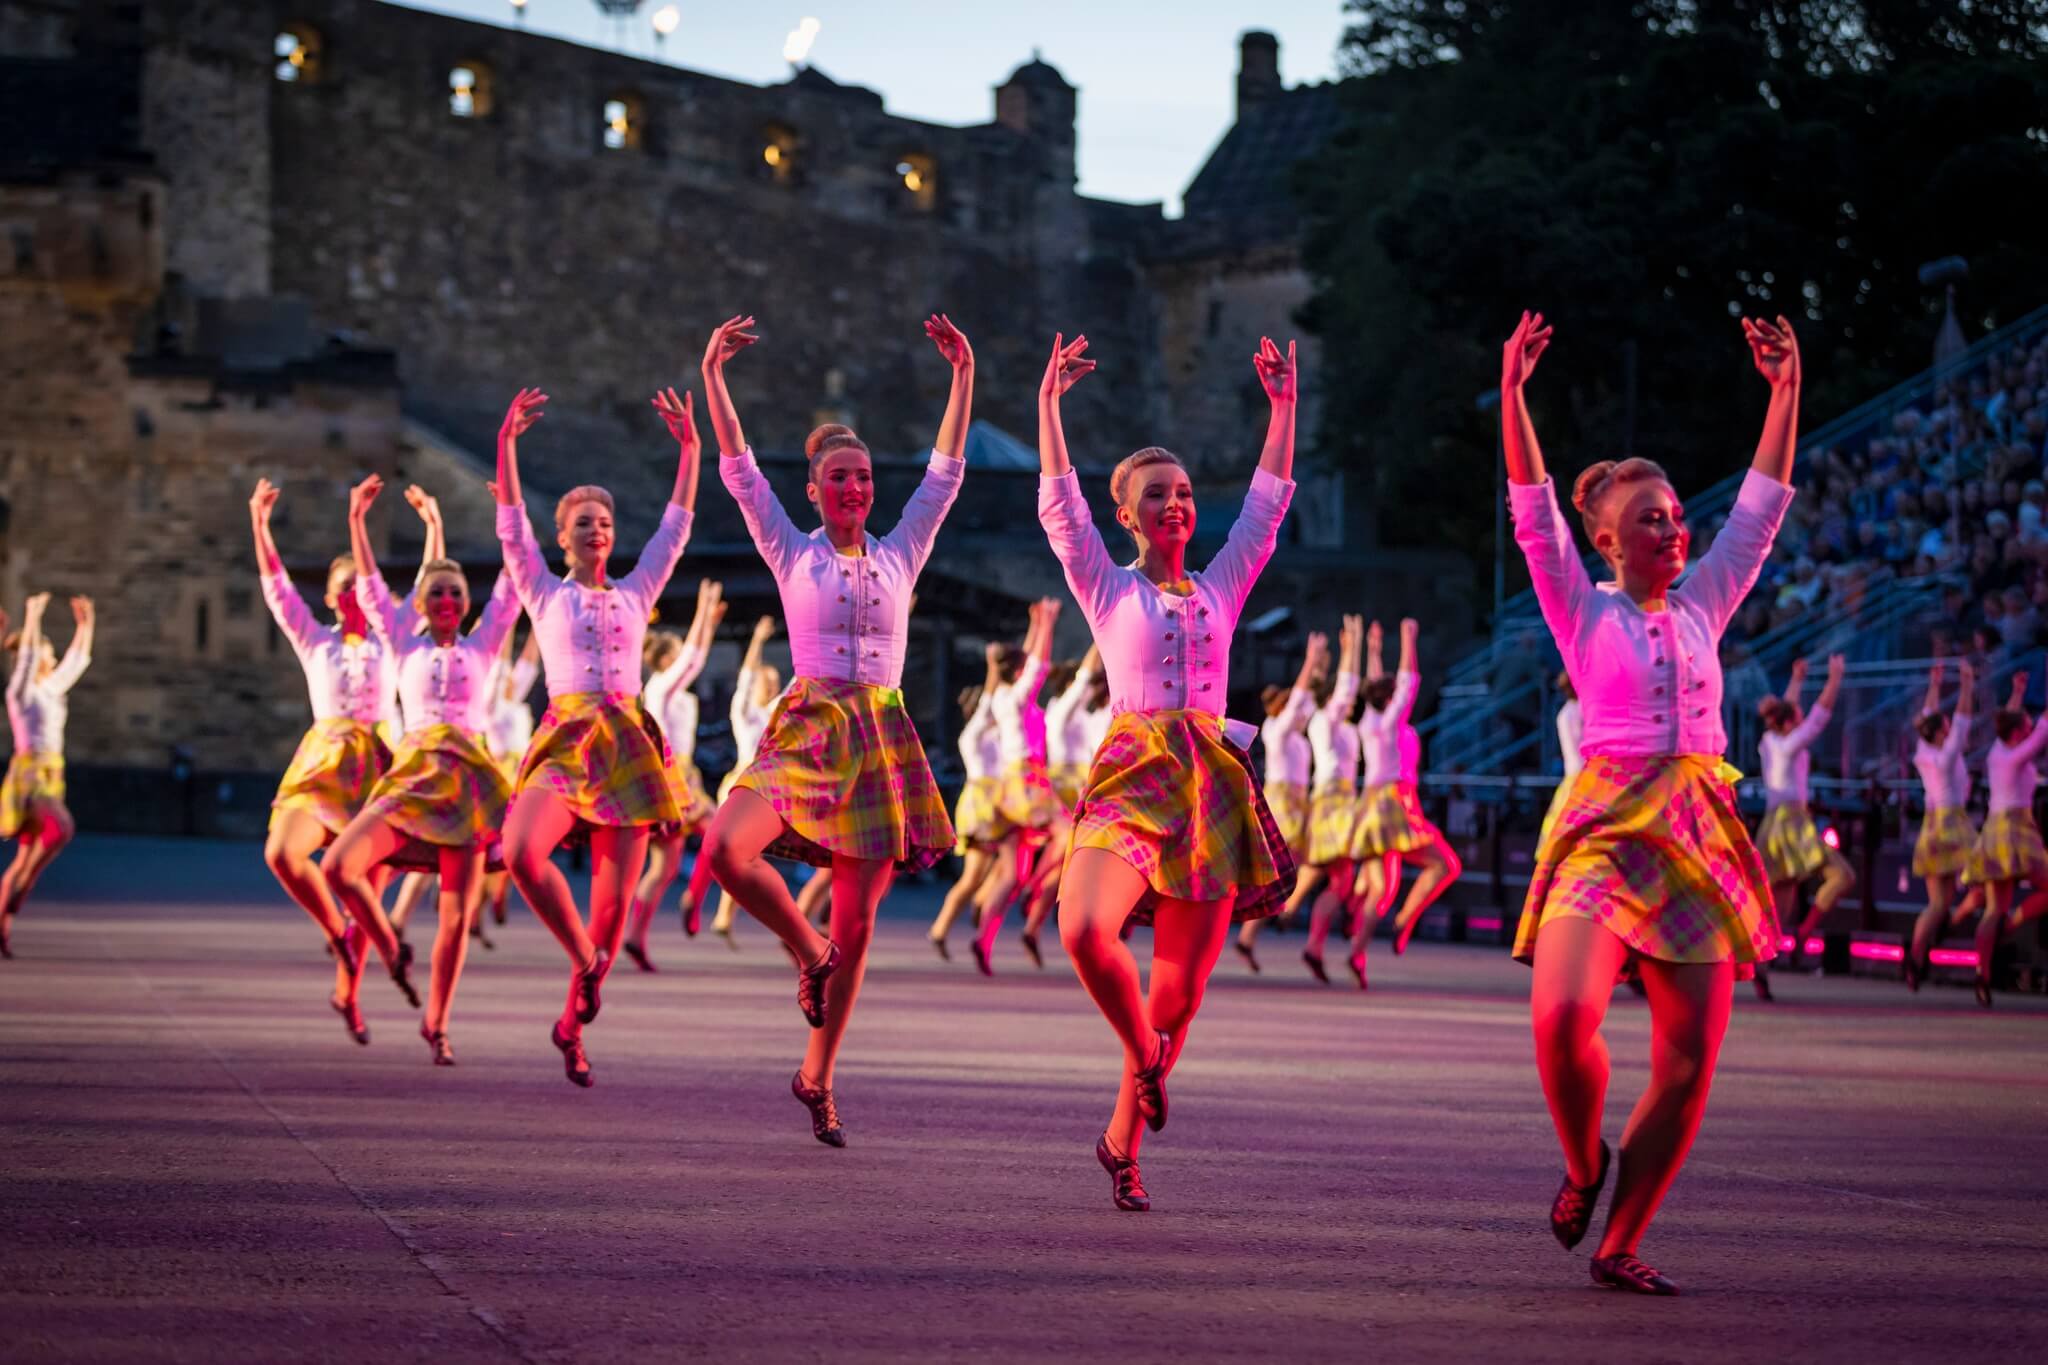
[1829,837]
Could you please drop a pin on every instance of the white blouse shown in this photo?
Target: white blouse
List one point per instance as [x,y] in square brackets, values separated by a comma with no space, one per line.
[2012,771]
[1787,761]
[348,677]
[1066,726]
[1163,652]
[441,684]
[1011,706]
[848,616]
[1288,754]
[1649,683]
[590,638]
[749,719]
[1571,730]
[1380,732]
[511,720]
[1944,772]
[980,753]
[38,708]
[669,699]
[1332,738]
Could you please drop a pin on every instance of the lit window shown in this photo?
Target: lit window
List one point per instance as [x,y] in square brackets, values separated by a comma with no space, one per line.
[469,90]
[622,123]
[917,176]
[778,153]
[297,50]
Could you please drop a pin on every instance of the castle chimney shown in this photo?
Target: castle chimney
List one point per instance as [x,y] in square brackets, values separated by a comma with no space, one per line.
[1258,69]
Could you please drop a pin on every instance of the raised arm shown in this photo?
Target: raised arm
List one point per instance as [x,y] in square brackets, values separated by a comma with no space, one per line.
[30,645]
[1068,363]
[1281,379]
[1407,675]
[1959,723]
[1795,686]
[775,535]
[664,548]
[703,629]
[434,542]
[1375,662]
[1351,641]
[1931,703]
[953,345]
[527,408]
[750,662]
[1257,528]
[77,654]
[1809,729]
[1517,431]
[681,416]
[1301,698]
[917,529]
[287,607]
[1557,574]
[1076,543]
[1776,353]
[371,590]
[728,339]
[2037,738]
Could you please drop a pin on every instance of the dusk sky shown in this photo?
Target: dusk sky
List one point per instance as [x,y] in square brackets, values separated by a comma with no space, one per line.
[1156,76]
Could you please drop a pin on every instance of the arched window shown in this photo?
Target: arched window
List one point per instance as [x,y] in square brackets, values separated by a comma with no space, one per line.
[917,182]
[624,117]
[779,154]
[469,90]
[297,49]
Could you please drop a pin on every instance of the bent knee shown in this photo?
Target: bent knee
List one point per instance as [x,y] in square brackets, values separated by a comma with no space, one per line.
[1566,1027]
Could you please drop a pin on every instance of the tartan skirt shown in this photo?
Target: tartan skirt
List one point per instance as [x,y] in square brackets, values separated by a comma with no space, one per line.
[1792,846]
[1944,843]
[842,765]
[1172,797]
[2009,849]
[332,772]
[602,756]
[1069,780]
[1390,820]
[1024,797]
[975,822]
[686,780]
[443,789]
[1289,803]
[1654,851]
[30,778]
[1560,797]
[1332,815]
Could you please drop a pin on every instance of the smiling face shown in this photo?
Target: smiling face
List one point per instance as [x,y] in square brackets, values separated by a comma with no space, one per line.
[843,487]
[341,598]
[586,532]
[1159,504]
[1643,534]
[444,601]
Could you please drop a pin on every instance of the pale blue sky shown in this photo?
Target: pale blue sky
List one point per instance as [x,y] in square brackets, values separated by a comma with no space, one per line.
[1157,77]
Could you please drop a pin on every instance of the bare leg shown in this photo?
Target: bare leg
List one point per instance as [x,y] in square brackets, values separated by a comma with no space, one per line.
[1012,866]
[1927,930]
[461,869]
[693,899]
[1096,898]
[1577,962]
[1990,926]
[1835,880]
[1439,869]
[974,870]
[814,897]
[1187,938]
[44,834]
[742,830]
[1689,1004]
[858,885]
[411,888]
[1336,890]
[295,836]
[537,823]
[617,855]
[664,860]
[365,845]
[496,887]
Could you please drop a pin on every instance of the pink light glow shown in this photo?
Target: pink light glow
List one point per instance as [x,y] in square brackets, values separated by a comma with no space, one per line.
[1829,837]
[1485,924]
[1813,945]
[1953,957]
[1893,952]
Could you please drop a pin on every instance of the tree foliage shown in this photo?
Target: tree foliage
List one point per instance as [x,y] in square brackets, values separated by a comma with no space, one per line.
[1643,174]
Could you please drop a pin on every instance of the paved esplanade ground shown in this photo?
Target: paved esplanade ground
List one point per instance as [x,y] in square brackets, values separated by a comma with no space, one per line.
[198,1165]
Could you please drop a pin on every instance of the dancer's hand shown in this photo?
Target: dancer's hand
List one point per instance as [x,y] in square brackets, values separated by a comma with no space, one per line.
[1836,665]
[81,611]
[681,416]
[32,611]
[1775,351]
[993,652]
[728,339]
[2019,680]
[1966,675]
[1318,658]
[951,341]
[1277,372]
[1518,357]
[1064,369]
[262,501]
[1410,628]
[528,407]
[1049,609]
[424,503]
[363,496]
[763,629]
[1092,660]
[1374,636]
[1798,675]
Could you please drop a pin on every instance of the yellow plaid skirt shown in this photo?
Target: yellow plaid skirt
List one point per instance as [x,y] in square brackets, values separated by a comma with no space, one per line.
[1172,797]
[1332,816]
[1069,780]
[2009,849]
[332,772]
[1024,797]
[1560,797]
[1943,847]
[602,756]
[1289,803]
[1390,820]
[1792,845]
[975,822]
[842,765]
[686,780]
[30,778]
[443,789]
[1655,851]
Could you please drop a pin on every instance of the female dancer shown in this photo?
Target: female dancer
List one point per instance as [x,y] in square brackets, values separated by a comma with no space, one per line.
[1395,826]
[353,690]
[32,809]
[443,797]
[1070,734]
[511,730]
[1792,847]
[840,780]
[1947,834]
[677,661]
[1289,764]
[597,761]
[1650,858]
[1571,734]
[1172,828]
[1333,811]
[2009,849]
[754,693]
[977,828]
[1024,795]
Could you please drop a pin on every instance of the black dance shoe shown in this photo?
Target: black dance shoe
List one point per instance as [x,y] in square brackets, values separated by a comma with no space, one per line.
[639,956]
[1030,942]
[352,1018]
[1571,1213]
[1125,1186]
[1356,962]
[1150,1085]
[1248,953]
[1762,986]
[1315,966]
[825,1125]
[982,963]
[401,974]
[1626,1272]
[437,1043]
[1913,970]
[939,947]
[575,1064]
[810,986]
[585,991]
[1982,987]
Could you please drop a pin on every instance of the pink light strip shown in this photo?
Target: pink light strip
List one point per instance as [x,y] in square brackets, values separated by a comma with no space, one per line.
[1813,945]
[1893,952]
[1486,924]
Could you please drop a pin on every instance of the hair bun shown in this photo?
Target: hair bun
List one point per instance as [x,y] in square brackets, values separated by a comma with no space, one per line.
[829,433]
